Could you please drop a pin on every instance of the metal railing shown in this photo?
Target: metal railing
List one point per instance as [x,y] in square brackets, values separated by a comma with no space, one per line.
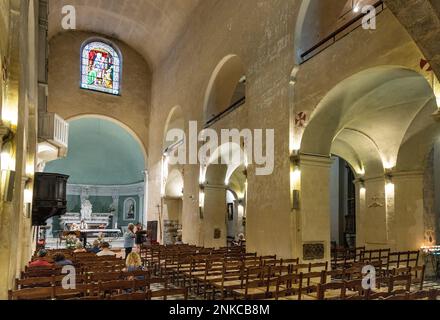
[224,113]
[333,37]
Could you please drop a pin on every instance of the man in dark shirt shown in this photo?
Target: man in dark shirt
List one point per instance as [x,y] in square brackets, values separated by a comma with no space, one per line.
[140,235]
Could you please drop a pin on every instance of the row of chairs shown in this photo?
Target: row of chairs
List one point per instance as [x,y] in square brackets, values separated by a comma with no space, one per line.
[115,290]
[343,258]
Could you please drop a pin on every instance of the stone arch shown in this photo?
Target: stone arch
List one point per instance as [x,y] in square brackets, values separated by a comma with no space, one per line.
[226,87]
[175,120]
[363,107]
[222,164]
[316,19]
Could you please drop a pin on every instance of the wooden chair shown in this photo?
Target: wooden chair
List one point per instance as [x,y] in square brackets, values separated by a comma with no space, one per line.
[164,294]
[354,290]
[289,287]
[331,291]
[232,278]
[418,276]
[133,296]
[115,287]
[110,276]
[44,293]
[310,283]
[400,284]
[254,284]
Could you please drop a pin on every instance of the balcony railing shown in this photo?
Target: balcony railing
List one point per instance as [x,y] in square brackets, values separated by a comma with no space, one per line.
[340,33]
[53,128]
[224,113]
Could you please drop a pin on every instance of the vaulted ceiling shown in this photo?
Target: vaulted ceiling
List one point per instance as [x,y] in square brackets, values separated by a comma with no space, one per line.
[149,26]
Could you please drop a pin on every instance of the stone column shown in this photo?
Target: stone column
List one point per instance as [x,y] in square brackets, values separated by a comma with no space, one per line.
[361,214]
[409,231]
[372,223]
[214,216]
[115,197]
[313,227]
[141,208]
[145,199]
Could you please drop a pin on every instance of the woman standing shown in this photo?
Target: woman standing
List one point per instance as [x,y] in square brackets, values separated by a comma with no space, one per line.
[129,238]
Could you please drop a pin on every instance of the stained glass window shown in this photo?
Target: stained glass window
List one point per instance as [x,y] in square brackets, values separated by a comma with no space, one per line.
[100,68]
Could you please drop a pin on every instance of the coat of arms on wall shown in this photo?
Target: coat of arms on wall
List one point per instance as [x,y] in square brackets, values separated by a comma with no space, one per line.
[313,251]
[301,119]
[377,202]
[425,65]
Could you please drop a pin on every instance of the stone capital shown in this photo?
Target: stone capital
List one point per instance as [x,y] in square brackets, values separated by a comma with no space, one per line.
[315,160]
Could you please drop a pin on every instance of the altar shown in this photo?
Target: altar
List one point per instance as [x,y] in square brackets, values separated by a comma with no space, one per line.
[92,220]
[96,221]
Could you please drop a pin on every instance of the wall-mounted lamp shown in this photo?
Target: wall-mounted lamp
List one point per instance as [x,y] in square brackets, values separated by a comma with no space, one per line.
[295,178]
[6,161]
[7,165]
[362,187]
[202,198]
[28,198]
[388,176]
[389,184]
[245,172]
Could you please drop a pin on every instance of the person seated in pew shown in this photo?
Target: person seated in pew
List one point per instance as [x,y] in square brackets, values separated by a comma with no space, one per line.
[240,240]
[134,263]
[60,260]
[179,240]
[96,247]
[105,250]
[79,248]
[41,261]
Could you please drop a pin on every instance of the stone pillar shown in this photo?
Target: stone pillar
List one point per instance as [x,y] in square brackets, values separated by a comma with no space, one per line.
[191,222]
[409,220]
[371,226]
[361,212]
[141,208]
[145,199]
[314,214]
[115,197]
[214,217]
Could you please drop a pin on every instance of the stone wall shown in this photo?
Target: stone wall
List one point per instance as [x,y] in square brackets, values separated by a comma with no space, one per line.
[261,33]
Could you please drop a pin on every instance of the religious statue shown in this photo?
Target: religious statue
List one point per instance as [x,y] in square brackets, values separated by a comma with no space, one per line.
[86,210]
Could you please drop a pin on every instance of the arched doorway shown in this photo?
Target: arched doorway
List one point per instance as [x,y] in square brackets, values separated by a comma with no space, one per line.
[106,165]
[343,204]
[224,196]
[171,220]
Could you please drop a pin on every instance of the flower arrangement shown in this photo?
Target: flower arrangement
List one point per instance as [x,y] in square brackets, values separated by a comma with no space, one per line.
[71,241]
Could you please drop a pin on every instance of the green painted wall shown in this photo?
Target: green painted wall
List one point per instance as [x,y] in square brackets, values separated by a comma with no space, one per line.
[73,203]
[101,204]
[100,153]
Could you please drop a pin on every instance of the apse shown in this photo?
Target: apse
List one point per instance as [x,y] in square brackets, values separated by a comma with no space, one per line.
[106,165]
